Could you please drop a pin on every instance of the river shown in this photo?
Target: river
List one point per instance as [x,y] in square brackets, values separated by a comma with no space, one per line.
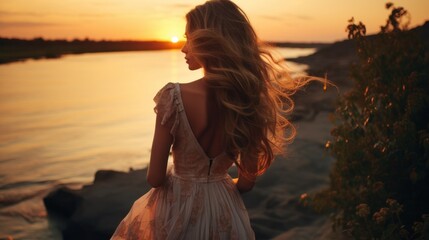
[63,119]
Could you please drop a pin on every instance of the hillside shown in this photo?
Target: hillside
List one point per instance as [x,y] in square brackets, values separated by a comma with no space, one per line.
[335,59]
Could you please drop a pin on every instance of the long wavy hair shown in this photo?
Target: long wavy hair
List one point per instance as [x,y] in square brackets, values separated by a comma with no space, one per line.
[252,89]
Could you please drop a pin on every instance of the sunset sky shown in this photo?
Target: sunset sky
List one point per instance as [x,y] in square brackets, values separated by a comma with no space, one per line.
[274,20]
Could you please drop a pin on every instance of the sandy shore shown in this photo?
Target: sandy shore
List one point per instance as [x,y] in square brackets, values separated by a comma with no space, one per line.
[274,204]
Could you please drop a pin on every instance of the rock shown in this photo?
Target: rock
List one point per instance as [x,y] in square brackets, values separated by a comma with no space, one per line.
[105,175]
[62,202]
[95,211]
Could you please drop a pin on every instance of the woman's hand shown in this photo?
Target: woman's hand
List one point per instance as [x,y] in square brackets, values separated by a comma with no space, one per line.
[243,184]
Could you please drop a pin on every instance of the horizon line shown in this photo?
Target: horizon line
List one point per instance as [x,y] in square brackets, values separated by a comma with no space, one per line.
[146,40]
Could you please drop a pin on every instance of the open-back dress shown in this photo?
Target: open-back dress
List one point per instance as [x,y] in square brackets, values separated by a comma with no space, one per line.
[198,199]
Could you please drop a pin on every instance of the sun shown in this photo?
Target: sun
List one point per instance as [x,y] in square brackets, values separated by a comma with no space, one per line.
[174,39]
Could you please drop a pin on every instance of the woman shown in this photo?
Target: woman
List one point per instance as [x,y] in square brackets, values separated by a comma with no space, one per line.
[234,114]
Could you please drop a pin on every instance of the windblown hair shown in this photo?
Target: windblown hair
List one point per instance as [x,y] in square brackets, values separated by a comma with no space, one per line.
[253,90]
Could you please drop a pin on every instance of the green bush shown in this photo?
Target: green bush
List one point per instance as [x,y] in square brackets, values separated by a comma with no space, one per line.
[379,184]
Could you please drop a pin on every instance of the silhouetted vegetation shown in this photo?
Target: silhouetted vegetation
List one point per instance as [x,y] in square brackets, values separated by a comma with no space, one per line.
[379,184]
[12,49]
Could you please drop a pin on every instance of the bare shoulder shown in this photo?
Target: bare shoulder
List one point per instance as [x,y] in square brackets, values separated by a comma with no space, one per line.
[193,88]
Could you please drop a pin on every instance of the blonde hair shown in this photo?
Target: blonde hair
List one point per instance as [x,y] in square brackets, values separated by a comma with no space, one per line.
[252,89]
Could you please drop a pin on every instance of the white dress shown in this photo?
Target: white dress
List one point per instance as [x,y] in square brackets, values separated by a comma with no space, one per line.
[198,200]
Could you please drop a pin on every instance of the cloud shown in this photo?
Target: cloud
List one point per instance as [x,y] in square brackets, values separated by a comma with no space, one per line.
[96,15]
[273,18]
[39,14]
[24,24]
[182,5]
[285,16]
[171,10]
[105,3]
[31,14]
[302,17]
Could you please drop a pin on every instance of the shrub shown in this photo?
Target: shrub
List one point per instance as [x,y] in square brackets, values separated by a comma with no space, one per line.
[379,184]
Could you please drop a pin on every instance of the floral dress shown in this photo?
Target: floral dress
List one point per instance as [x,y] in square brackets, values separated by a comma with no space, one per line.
[198,199]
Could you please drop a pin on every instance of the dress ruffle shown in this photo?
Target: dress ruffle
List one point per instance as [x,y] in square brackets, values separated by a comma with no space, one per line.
[168,104]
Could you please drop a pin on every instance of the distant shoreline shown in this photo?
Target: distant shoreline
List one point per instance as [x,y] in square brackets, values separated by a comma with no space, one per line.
[14,50]
[317,45]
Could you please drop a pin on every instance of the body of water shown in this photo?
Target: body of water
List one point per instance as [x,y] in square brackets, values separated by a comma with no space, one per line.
[63,119]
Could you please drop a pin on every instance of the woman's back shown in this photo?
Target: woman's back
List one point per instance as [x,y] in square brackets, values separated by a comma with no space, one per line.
[195,155]
[204,116]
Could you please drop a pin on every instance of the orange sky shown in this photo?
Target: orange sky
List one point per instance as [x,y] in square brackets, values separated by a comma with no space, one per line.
[274,20]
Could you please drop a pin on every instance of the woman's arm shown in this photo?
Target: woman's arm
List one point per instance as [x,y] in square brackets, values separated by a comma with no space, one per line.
[161,144]
[244,184]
